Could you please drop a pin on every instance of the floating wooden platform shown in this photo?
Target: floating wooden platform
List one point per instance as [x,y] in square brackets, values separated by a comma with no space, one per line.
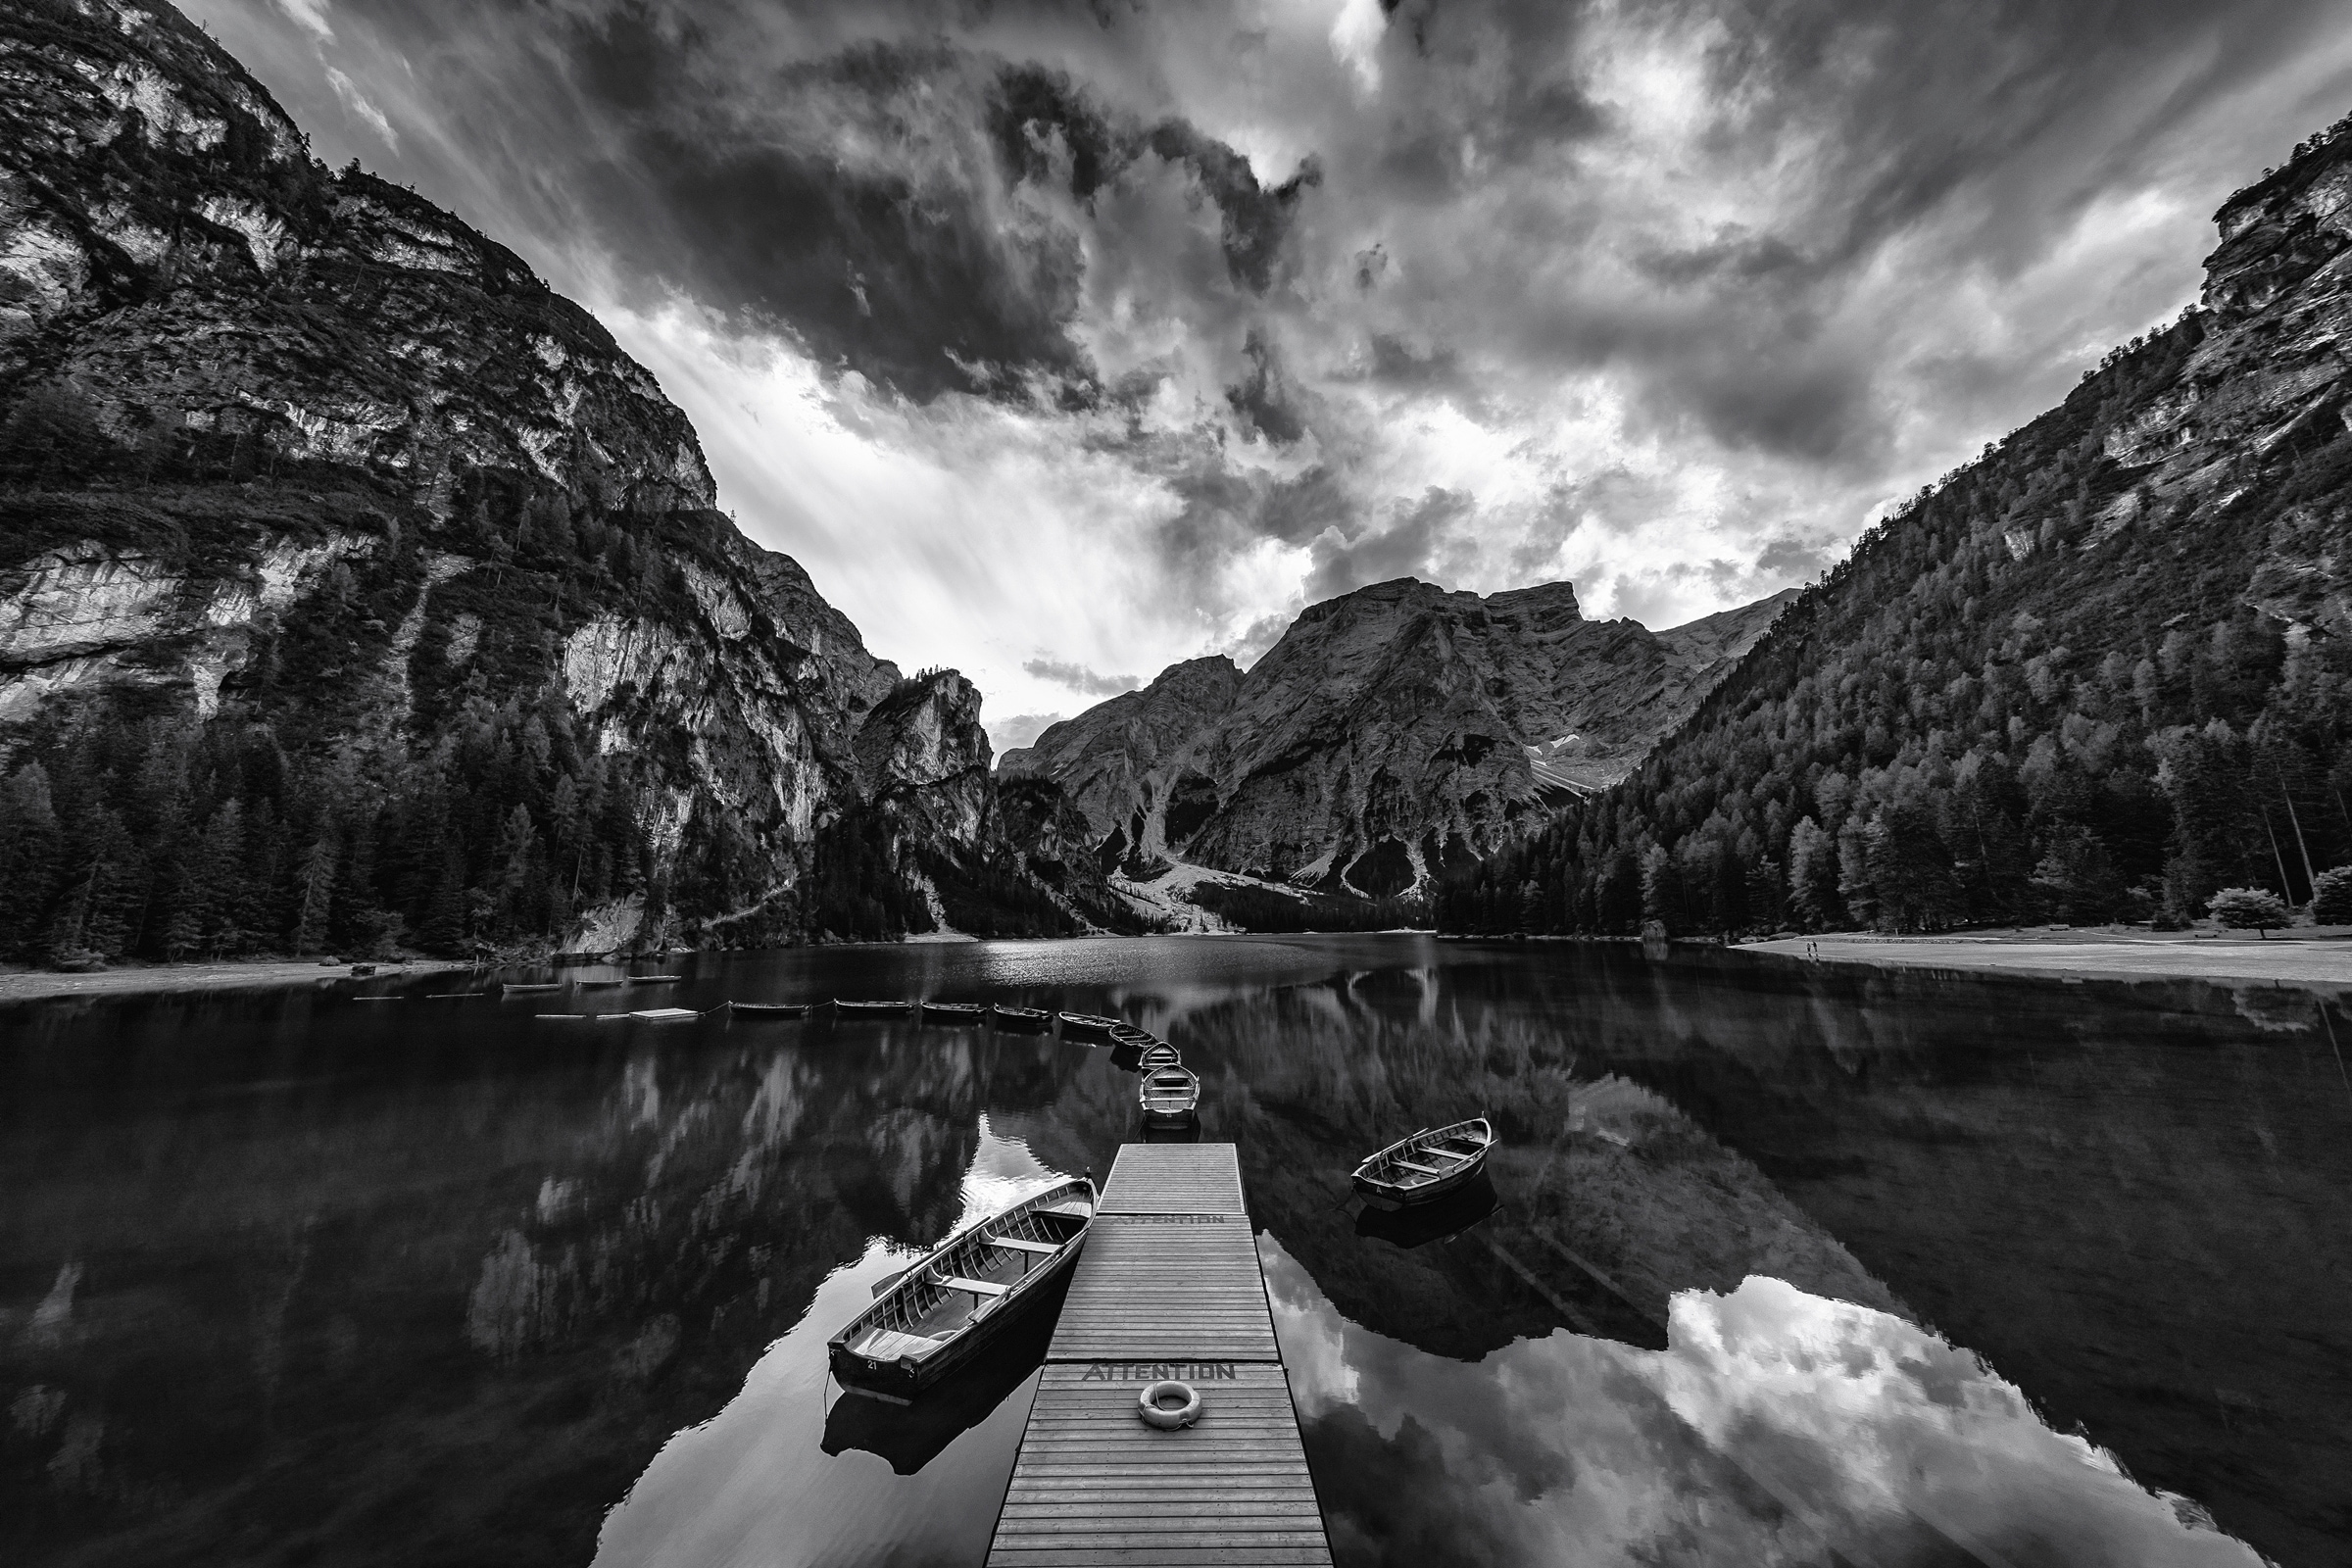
[1168,1287]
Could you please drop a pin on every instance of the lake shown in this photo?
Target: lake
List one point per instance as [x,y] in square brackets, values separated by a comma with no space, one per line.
[1784,1264]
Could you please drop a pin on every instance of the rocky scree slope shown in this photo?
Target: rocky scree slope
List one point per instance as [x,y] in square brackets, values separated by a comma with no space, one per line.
[2100,672]
[354,587]
[1393,732]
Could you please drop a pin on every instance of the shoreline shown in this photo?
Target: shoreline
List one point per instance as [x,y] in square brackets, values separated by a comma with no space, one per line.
[226,974]
[2319,963]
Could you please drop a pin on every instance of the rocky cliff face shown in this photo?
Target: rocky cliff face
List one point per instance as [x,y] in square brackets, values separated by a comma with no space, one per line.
[1392,731]
[1103,757]
[400,580]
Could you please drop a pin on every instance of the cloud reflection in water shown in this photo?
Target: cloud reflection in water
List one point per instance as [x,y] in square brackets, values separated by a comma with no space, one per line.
[1777,1427]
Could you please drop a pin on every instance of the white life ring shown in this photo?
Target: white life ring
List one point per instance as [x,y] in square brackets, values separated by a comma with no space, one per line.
[1159,1415]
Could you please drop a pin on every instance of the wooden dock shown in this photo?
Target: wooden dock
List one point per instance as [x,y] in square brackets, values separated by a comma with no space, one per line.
[1168,1287]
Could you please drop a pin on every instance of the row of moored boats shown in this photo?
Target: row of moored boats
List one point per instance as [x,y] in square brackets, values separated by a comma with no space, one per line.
[1168,1092]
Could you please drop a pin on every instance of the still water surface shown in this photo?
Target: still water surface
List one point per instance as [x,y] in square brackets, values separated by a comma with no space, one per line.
[1784,1265]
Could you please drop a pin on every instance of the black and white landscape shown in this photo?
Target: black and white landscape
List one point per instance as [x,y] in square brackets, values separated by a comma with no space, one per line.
[899,502]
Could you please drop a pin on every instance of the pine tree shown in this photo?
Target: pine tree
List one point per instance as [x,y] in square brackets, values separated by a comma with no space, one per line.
[32,850]
[316,884]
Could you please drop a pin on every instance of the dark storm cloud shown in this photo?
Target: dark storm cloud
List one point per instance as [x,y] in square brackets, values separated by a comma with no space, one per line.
[1261,397]
[1079,678]
[1412,545]
[1035,112]
[1788,556]
[907,264]
[898,269]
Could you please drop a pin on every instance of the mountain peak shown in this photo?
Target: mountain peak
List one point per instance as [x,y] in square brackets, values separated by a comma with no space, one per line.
[1391,731]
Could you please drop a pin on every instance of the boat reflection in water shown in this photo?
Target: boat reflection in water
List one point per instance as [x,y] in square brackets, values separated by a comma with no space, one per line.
[1440,1220]
[912,1436]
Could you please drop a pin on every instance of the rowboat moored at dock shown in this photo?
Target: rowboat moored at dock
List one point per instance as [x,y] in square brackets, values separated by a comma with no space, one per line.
[773,1010]
[1023,1020]
[655,979]
[1086,1026]
[517,987]
[1157,1054]
[1169,1093]
[945,1310]
[1428,1165]
[953,1012]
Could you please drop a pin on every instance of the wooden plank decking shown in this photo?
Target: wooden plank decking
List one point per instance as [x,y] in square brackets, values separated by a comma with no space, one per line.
[1197,1179]
[1168,1287]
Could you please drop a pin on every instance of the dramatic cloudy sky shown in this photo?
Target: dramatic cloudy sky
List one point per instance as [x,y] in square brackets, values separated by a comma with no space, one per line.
[1063,341]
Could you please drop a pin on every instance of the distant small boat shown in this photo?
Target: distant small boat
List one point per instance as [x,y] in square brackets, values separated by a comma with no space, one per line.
[380,999]
[562,1017]
[957,1013]
[517,988]
[1169,1093]
[873,1010]
[1023,1020]
[453,995]
[772,1010]
[1086,1026]
[599,985]
[667,1015]
[654,979]
[1157,1054]
[1428,1165]
[941,1312]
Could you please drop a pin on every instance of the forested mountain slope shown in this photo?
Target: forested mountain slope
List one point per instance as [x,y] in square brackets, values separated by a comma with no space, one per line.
[2101,672]
[356,588]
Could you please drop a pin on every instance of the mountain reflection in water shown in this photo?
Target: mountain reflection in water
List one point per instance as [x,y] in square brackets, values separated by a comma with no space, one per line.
[1778,1265]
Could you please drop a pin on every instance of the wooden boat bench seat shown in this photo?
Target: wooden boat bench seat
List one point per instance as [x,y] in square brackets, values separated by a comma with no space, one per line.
[1042,1248]
[957,1282]
[887,1345]
[1426,1171]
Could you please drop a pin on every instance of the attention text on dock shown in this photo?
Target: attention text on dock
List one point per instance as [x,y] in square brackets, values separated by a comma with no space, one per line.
[1160,1371]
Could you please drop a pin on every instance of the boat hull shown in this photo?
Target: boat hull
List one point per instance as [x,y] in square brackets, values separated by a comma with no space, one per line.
[1390,1197]
[902,1381]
